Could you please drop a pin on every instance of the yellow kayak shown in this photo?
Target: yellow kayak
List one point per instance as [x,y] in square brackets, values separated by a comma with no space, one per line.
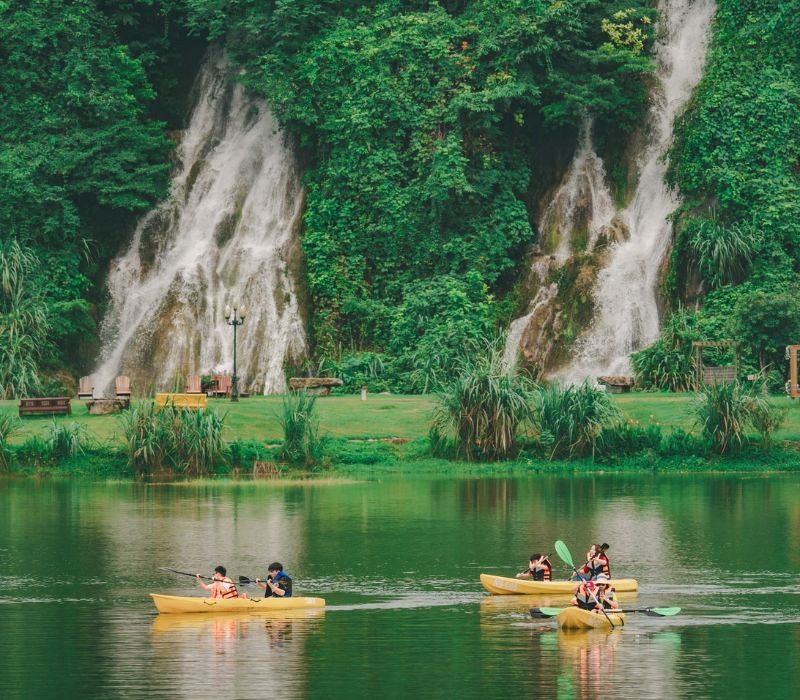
[185,604]
[576,619]
[500,585]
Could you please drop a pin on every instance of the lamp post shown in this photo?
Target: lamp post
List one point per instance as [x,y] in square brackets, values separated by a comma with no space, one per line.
[234,319]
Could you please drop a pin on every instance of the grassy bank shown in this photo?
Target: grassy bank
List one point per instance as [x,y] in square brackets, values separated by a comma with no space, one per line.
[381,416]
[388,434]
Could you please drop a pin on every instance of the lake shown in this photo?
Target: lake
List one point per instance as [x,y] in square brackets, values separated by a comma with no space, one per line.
[397,560]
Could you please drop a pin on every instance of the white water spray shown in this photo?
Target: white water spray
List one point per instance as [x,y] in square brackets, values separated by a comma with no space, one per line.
[626,308]
[227,233]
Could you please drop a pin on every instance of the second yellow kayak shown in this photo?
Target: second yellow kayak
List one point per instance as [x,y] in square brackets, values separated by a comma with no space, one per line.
[574,618]
[500,585]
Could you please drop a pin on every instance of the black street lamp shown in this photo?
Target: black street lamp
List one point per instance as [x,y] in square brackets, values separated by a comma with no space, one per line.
[234,319]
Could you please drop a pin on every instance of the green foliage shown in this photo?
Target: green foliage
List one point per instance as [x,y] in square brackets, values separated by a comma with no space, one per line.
[23,322]
[724,411]
[187,441]
[421,122]
[669,362]
[736,153]
[479,412]
[66,439]
[35,452]
[766,322]
[723,254]
[302,443]
[8,426]
[569,421]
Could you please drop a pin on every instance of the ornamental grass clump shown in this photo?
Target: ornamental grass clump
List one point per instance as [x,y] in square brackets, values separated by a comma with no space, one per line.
[480,411]
[66,440]
[302,443]
[725,411]
[173,438]
[569,420]
[8,426]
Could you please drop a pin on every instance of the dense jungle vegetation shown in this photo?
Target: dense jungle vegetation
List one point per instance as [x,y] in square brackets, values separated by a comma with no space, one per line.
[427,130]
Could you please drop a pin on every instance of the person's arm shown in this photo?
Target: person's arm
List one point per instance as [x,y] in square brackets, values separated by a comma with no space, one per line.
[276,590]
[203,585]
[524,574]
[261,584]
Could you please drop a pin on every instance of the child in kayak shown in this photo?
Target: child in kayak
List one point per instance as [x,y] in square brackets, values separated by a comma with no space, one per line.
[606,593]
[221,585]
[539,569]
[597,562]
[585,596]
[278,583]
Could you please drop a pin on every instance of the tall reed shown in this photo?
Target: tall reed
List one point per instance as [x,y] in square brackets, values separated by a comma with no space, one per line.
[8,426]
[479,412]
[725,411]
[173,438]
[66,439]
[569,420]
[301,440]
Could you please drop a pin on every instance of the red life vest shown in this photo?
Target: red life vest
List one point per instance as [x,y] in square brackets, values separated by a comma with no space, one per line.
[229,588]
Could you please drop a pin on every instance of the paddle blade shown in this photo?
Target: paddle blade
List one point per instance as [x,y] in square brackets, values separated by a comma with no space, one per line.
[662,612]
[542,613]
[244,580]
[563,551]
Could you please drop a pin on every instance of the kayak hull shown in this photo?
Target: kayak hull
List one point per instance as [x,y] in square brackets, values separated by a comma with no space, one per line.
[186,604]
[576,619]
[501,585]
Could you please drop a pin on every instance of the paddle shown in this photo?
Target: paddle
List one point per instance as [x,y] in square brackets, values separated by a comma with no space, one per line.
[546,558]
[563,551]
[246,581]
[542,613]
[184,573]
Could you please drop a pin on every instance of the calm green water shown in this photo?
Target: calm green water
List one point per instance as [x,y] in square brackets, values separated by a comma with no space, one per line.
[398,562]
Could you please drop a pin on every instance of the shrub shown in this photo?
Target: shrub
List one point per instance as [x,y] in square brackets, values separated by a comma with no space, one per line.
[723,254]
[301,441]
[66,439]
[8,426]
[479,412]
[35,452]
[669,362]
[570,420]
[724,411]
[629,438]
[173,438]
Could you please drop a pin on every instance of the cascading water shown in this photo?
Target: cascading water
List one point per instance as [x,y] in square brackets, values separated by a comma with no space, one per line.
[580,211]
[626,307]
[228,232]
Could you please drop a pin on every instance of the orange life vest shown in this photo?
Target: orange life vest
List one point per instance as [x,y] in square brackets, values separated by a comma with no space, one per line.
[229,588]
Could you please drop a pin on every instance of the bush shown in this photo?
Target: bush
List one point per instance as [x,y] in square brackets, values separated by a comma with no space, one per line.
[173,438]
[301,441]
[629,438]
[66,439]
[35,452]
[724,411]
[570,420]
[480,411]
[8,426]
[669,362]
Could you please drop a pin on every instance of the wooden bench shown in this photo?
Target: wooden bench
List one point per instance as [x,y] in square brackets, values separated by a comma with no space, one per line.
[315,385]
[45,406]
[220,386]
[189,401]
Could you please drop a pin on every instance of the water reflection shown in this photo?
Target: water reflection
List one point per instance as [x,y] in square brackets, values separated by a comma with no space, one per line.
[249,652]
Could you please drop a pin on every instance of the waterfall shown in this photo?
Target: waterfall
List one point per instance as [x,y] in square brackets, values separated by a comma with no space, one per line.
[626,307]
[227,233]
[579,212]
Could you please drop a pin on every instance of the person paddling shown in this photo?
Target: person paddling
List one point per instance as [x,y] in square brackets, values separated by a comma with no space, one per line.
[606,593]
[539,568]
[221,585]
[597,562]
[585,596]
[278,583]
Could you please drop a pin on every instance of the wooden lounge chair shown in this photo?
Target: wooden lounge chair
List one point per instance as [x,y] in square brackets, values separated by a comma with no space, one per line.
[85,388]
[221,385]
[193,384]
[123,387]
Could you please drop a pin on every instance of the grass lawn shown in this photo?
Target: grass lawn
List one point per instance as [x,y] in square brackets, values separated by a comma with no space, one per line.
[256,418]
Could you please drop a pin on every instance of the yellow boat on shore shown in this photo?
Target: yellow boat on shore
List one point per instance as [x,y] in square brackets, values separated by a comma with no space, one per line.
[501,585]
[186,604]
[574,618]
